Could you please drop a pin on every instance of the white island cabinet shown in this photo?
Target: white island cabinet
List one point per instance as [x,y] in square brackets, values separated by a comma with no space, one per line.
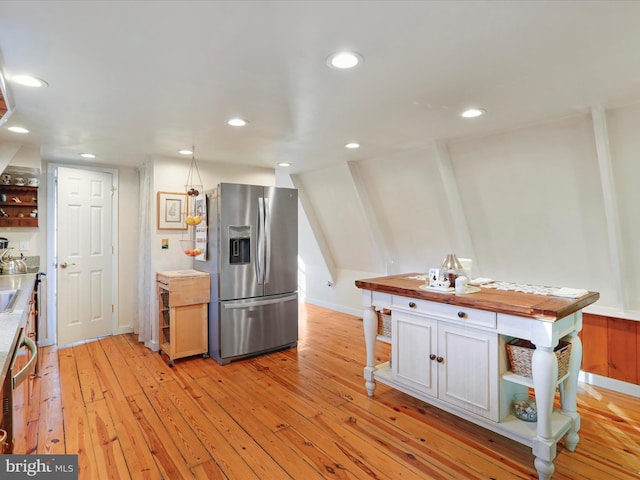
[450,351]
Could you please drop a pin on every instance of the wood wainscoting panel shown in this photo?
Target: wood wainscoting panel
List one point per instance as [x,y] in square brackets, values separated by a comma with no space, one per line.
[611,347]
[594,344]
[622,338]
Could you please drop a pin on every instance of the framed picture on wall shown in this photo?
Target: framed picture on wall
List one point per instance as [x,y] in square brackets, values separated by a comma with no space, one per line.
[172,211]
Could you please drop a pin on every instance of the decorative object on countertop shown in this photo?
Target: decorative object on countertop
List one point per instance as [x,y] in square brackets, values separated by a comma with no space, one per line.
[452,268]
[13,265]
[461,284]
[520,353]
[525,408]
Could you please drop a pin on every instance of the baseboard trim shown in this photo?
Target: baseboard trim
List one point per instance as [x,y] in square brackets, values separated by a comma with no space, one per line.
[609,383]
[332,306]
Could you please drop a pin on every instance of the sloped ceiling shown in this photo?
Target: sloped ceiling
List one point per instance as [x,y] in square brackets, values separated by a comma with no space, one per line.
[128,80]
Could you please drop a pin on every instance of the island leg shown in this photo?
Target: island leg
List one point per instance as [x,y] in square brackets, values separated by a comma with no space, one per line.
[544,368]
[570,390]
[370,325]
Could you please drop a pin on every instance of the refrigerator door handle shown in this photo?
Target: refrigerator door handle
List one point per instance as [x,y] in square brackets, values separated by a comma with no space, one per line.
[267,241]
[258,303]
[260,245]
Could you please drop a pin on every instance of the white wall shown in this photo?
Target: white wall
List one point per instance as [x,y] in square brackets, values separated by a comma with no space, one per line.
[528,206]
[624,126]
[128,199]
[170,175]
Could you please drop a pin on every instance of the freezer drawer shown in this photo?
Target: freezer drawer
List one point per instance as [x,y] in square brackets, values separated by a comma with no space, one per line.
[249,327]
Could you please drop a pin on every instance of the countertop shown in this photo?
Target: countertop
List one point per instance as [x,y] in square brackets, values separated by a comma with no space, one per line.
[11,323]
[542,307]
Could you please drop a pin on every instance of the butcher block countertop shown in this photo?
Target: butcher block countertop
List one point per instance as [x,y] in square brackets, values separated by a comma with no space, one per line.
[542,307]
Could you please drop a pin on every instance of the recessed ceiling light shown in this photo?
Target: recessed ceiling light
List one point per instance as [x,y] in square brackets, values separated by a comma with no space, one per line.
[18,129]
[29,81]
[87,155]
[352,145]
[284,164]
[237,122]
[342,60]
[473,112]
[186,151]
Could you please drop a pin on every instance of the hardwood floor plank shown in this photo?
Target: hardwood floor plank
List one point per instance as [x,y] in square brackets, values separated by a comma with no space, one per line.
[208,471]
[89,380]
[109,367]
[51,436]
[274,415]
[77,433]
[168,457]
[239,451]
[234,417]
[110,461]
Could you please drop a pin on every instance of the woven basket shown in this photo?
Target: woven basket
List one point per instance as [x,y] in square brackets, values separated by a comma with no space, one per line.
[384,323]
[521,351]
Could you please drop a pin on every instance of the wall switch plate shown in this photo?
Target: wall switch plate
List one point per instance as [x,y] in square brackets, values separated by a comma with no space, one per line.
[24,245]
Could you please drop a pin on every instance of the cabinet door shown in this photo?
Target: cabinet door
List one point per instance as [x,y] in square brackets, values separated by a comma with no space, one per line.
[468,374]
[413,340]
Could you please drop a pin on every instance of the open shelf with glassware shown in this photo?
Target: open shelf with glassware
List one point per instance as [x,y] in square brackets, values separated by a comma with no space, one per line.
[18,206]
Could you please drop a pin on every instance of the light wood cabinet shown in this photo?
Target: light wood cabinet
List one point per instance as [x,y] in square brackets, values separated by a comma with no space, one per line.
[183,299]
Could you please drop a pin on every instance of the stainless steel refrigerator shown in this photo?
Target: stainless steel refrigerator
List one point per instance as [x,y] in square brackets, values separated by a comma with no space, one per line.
[252,257]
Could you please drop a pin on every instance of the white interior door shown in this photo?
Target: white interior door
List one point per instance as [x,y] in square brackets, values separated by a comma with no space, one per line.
[84,254]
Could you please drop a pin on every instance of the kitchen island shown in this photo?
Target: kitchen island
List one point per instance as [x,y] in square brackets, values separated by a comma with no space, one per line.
[450,351]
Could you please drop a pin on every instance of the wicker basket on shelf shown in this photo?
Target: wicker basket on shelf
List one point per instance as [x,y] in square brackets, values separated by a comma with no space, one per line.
[520,353]
[384,323]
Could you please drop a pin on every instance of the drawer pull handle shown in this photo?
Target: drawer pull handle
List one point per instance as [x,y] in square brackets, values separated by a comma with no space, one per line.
[432,356]
[439,359]
[461,314]
[412,305]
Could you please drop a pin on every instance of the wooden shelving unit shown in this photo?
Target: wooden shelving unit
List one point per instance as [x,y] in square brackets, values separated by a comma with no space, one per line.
[19,212]
[183,299]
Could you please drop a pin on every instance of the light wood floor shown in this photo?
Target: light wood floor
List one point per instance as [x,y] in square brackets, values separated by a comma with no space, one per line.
[297,414]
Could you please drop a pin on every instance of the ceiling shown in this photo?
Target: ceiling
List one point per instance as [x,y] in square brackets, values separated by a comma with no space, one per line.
[130,80]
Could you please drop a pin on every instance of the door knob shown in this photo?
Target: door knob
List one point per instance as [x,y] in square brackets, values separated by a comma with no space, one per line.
[65,264]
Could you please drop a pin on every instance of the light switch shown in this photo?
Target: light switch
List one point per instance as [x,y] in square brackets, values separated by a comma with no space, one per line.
[24,245]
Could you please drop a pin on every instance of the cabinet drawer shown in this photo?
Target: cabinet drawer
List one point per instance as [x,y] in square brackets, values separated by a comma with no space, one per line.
[187,291]
[461,315]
